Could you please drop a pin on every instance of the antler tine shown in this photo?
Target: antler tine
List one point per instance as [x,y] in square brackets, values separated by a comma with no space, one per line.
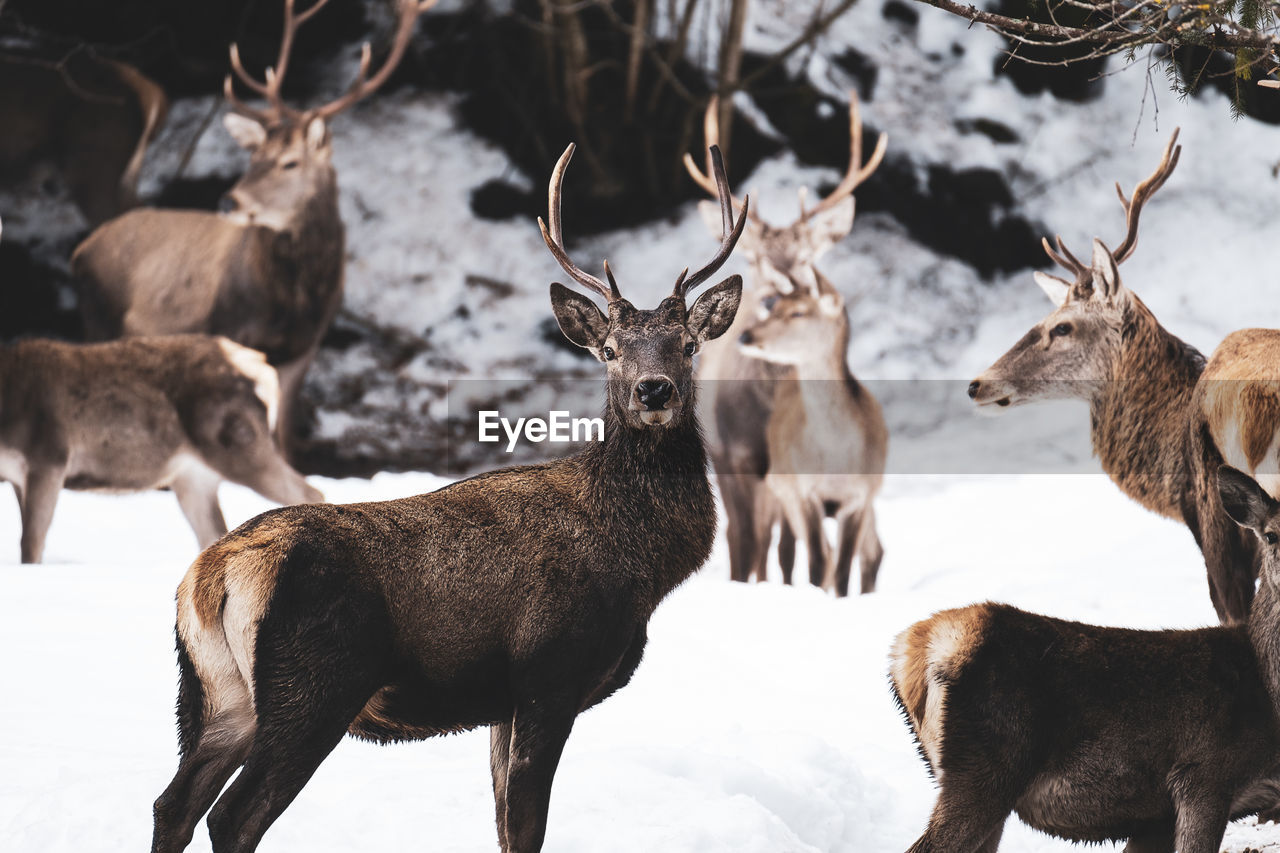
[731,231]
[857,172]
[555,240]
[228,92]
[364,85]
[1142,193]
[270,90]
[1066,260]
[711,136]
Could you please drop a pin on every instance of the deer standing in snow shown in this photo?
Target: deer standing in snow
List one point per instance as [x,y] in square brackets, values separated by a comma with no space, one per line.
[1162,419]
[826,437]
[1099,734]
[182,411]
[739,392]
[267,269]
[515,599]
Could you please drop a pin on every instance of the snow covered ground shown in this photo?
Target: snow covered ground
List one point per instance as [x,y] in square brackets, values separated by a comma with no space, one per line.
[760,719]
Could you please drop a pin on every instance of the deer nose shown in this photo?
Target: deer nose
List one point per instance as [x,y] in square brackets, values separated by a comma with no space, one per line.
[654,393]
[973,388]
[746,337]
[226,204]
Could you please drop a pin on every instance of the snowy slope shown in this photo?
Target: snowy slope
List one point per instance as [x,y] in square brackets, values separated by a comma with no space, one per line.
[760,719]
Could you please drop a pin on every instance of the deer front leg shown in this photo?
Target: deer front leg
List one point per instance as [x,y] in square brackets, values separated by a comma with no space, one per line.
[538,738]
[499,761]
[39,498]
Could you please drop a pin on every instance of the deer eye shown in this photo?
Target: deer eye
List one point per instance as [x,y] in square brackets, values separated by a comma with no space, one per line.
[768,302]
[689,349]
[1270,538]
[1060,331]
[289,164]
[609,354]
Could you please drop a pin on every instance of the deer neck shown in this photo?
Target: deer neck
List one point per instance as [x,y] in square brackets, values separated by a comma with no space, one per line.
[653,482]
[1140,415]
[1264,633]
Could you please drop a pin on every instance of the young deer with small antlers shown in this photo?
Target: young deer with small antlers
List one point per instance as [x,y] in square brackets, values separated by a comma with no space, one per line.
[1099,734]
[516,599]
[267,269]
[1162,421]
[827,438]
[739,392]
[184,411]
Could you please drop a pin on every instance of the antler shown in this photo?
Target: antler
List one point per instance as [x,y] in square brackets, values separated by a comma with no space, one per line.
[555,239]
[732,232]
[856,173]
[1142,192]
[711,136]
[270,89]
[1132,209]
[364,84]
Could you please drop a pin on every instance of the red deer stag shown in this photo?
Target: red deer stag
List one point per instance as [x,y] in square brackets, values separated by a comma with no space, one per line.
[266,271]
[738,392]
[1162,421]
[516,599]
[183,411]
[826,437]
[92,118]
[1099,734]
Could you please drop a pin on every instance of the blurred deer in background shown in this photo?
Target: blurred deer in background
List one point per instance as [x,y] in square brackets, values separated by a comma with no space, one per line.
[1162,420]
[738,392]
[267,269]
[91,118]
[180,411]
[826,438]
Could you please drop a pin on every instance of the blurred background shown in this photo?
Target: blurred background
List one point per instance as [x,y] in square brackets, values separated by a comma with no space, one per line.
[442,171]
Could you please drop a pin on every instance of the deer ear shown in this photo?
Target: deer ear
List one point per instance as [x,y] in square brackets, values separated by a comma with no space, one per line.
[830,227]
[579,318]
[713,313]
[1055,288]
[244,130]
[1243,499]
[317,134]
[1106,277]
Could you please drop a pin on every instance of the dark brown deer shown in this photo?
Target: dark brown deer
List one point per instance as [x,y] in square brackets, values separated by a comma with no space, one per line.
[1099,734]
[516,599]
[184,412]
[267,270]
[1161,420]
[738,392]
[92,118]
[827,439]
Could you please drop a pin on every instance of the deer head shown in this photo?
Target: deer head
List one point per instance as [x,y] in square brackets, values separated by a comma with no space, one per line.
[290,163]
[783,258]
[1072,352]
[796,327]
[648,354]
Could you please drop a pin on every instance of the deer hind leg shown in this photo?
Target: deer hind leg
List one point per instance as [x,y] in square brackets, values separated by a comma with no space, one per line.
[539,733]
[325,661]
[196,489]
[39,498]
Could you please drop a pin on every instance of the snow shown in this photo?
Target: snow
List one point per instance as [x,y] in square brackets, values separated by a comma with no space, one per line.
[760,719]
